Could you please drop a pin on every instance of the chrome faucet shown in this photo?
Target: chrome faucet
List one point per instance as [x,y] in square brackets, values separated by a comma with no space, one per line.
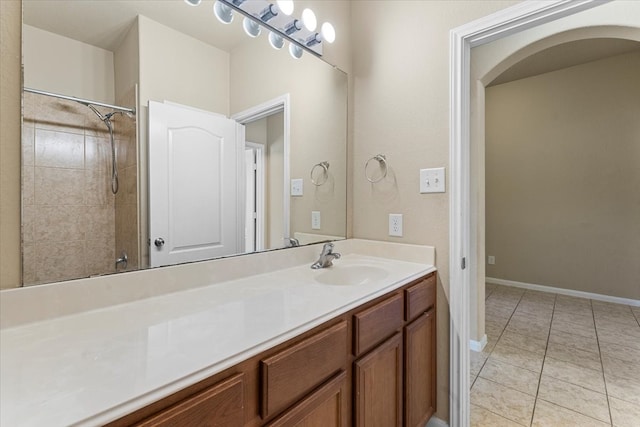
[326,257]
[292,242]
[124,259]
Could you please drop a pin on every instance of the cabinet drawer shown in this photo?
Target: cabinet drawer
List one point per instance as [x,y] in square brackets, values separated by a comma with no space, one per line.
[420,297]
[292,373]
[377,323]
[221,405]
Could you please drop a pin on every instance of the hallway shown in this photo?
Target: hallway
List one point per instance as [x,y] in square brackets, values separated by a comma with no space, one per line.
[555,360]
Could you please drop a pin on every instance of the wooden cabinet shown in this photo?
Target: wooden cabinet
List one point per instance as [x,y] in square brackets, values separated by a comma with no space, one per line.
[420,370]
[219,406]
[373,366]
[378,386]
[326,407]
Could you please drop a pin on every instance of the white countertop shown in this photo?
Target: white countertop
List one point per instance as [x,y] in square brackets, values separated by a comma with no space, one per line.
[93,367]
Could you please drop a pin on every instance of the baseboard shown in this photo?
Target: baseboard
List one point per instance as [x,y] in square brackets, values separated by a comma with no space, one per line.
[437,422]
[478,346]
[563,291]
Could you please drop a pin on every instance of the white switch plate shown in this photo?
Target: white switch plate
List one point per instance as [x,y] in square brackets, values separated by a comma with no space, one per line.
[491,260]
[297,187]
[315,220]
[395,225]
[432,180]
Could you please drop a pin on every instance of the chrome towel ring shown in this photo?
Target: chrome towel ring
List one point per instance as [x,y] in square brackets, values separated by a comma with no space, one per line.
[325,172]
[382,160]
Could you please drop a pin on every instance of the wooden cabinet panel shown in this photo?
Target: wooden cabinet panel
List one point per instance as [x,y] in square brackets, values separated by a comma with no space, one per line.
[221,405]
[375,324]
[420,370]
[292,373]
[378,386]
[326,407]
[420,297]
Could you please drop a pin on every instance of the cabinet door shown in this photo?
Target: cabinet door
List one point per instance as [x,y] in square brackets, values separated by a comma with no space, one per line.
[378,385]
[219,406]
[420,370]
[326,407]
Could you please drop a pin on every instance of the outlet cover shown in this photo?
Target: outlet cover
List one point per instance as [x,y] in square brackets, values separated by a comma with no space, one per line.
[491,260]
[315,220]
[297,188]
[432,180]
[395,225]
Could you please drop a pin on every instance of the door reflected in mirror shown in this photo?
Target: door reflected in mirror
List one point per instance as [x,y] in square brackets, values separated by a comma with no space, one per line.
[221,196]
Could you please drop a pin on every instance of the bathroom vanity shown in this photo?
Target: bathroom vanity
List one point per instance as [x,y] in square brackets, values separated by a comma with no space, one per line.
[267,342]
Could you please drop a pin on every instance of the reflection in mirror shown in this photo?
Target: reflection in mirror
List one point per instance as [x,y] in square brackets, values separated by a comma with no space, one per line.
[173,64]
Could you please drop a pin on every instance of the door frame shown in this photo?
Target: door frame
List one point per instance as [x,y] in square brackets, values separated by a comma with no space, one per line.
[282,104]
[260,192]
[462,255]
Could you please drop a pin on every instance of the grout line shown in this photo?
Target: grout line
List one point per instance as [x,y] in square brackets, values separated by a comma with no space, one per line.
[604,378]
[535,403]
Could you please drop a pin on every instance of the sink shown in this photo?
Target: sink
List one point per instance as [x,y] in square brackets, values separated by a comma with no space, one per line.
[348,275]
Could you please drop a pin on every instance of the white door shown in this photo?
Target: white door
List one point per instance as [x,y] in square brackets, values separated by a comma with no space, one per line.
[194,160]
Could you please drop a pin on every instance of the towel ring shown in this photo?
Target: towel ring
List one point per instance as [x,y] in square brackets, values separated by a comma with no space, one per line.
[382,159]
[325,172]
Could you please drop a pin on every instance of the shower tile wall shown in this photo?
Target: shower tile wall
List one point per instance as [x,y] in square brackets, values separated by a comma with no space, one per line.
[68,224]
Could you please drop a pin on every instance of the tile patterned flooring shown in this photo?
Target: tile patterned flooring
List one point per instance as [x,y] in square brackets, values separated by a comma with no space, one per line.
[554,360]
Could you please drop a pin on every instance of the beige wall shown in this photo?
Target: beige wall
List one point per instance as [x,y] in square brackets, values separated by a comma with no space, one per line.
[401,109]
[10,101]
[59,64]
[562,178]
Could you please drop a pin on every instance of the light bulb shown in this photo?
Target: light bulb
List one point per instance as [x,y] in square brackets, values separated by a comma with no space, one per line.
[328,32]
[223,12]
[251,27]
[309,19]
[286,6]
[295,51]
[276,41]
[193,2]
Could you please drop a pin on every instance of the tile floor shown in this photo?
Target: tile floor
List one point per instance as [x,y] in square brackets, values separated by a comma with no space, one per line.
[554,360]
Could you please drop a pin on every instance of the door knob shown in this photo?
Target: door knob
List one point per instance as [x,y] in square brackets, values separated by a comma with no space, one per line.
[159,242]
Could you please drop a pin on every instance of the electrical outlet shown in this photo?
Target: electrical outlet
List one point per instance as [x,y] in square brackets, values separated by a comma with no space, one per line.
[432,180]
[315,220]
[297,188]
[491,260]
[395,225]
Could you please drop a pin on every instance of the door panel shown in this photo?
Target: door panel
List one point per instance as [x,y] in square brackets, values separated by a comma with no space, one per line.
[193,183]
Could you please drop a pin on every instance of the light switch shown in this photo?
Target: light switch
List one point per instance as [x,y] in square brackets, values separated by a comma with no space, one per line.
[432,180]
[315,220]
[297,187]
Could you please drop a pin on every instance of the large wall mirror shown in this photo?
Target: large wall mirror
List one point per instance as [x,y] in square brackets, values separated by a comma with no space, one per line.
[193,140]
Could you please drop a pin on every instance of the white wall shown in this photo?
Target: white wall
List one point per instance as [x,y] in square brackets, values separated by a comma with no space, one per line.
[62,65]
[562,178]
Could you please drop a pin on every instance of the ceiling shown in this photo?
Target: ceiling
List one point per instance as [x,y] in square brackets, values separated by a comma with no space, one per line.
[566,55]
[104,23]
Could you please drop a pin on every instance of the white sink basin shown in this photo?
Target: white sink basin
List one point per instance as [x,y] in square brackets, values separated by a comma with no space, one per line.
[348,275]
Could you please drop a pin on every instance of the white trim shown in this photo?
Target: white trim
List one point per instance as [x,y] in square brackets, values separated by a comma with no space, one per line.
[260,192]
[498,25]
[282,104]
[478,346]
[436,422]
[564,291]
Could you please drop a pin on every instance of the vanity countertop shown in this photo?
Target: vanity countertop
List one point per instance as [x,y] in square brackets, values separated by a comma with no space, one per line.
[92,367]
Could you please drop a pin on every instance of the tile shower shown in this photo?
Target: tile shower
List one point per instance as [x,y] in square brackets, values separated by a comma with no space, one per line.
[72,224]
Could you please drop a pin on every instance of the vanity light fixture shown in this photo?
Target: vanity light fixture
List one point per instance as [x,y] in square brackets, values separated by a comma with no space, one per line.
[275,16]
[286,6]
[251,27]
[328,32]
[276,41]
[223,12]
[309,19]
